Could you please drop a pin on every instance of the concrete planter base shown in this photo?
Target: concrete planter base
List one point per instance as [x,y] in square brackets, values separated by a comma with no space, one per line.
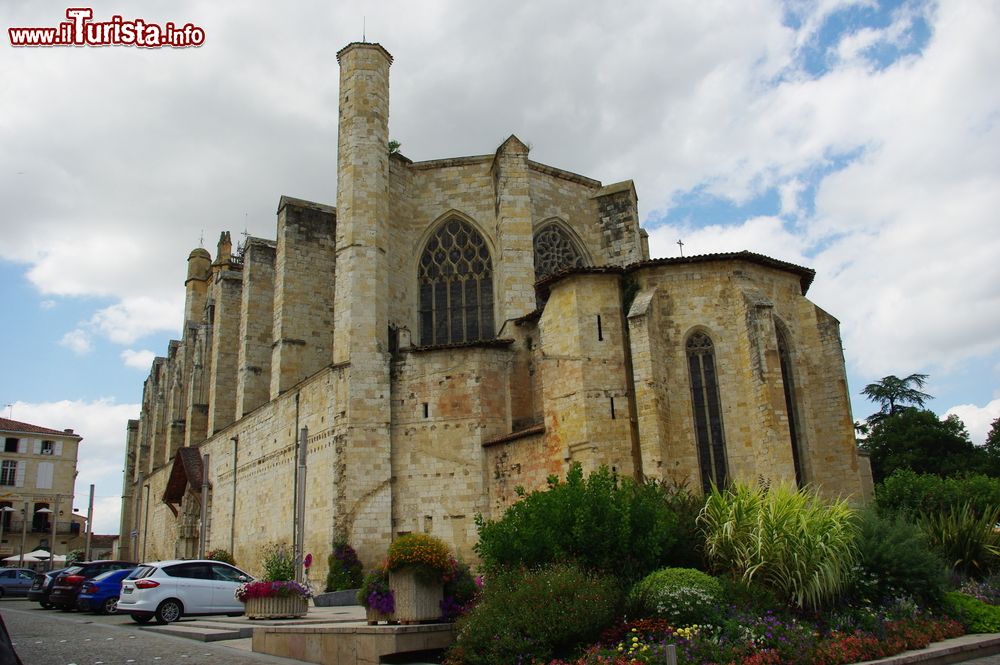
[416,600]
[276,607]
[336,598]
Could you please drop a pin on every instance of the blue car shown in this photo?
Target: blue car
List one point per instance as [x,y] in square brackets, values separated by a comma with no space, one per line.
[100,594]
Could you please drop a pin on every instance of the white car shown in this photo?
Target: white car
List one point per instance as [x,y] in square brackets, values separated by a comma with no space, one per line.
[168,590]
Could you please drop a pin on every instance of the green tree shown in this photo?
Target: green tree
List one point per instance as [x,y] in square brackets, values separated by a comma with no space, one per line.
[917,439]
[893,394]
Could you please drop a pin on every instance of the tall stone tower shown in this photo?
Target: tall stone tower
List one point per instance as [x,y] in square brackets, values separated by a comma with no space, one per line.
[360,345]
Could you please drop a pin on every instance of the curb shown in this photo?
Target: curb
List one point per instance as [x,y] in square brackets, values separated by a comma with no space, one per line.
[955,650]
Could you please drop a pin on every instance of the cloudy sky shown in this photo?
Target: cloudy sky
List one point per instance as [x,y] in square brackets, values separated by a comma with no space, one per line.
[856,137]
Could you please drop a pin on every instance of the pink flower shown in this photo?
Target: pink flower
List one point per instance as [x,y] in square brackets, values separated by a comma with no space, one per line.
[308,560]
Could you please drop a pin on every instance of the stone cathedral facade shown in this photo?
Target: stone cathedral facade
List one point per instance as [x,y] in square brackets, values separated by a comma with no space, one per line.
[454,329]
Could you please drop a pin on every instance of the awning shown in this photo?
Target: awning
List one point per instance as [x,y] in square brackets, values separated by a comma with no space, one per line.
[186,471]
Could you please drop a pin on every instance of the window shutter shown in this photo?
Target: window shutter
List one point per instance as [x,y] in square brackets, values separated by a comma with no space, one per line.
[19,476]
[38,446]
[58,448]
[22,446]
[44,476]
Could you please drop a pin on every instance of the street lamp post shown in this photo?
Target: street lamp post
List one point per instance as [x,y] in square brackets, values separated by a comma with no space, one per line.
[52,542]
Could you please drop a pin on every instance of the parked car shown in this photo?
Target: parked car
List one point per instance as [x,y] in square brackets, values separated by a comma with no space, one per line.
[67,584]
[15,581]
[100,594]
[168,590]
[42,587]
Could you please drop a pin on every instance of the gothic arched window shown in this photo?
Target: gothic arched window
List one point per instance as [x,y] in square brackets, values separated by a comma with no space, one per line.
[707,411]
[554,250]
[788,384]
[455,277]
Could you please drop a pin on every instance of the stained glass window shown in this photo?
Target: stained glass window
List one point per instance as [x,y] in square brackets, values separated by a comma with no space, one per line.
[455,279]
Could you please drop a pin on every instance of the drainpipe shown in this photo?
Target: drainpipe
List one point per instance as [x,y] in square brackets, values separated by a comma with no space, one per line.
[145,524]
[204,507]
[300,504]
[232,520]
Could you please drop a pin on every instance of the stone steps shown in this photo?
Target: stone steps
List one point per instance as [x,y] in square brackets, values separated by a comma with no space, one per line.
[204,631]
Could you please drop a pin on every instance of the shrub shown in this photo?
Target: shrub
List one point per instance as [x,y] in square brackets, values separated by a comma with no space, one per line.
[895,558]
[787,540]
[968,541]
[426,554]
[914,493]
[375,593]
[526,616]
[605,523]
[460,590]
[221,555]
[279,566]
[682,595]
[345,570]
[974,614]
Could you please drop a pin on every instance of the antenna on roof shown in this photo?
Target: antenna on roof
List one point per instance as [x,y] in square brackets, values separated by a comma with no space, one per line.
[10,411]
[363,29]
[680,243]
[201,238]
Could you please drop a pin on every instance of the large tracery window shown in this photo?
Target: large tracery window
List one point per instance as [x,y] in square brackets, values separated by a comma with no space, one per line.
[554,250]
[707,411]
[455,277]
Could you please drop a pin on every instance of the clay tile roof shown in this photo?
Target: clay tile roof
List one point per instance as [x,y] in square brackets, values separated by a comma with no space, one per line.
[806,275]
[15,426]
[186,470]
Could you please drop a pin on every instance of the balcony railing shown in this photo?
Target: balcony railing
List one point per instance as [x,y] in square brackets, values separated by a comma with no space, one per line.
[62,528]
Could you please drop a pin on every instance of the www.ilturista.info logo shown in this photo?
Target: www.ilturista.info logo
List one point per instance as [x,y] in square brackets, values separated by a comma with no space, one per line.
[81,30]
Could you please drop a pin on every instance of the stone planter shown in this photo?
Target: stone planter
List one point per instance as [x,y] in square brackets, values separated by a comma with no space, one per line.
[276,607]
[374,616]
[416,600]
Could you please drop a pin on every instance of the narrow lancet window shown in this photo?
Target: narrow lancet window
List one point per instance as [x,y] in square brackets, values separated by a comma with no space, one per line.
[707,411]
[788,383]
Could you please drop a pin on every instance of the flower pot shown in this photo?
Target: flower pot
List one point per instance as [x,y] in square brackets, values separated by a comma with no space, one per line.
[416,600]
[374,616]
[276,607]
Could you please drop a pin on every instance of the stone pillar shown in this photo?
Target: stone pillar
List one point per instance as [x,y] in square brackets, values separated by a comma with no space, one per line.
[618,214]
[256,327]
[364,498]
[227,292]
[303,292]
[515,261]
[585,392]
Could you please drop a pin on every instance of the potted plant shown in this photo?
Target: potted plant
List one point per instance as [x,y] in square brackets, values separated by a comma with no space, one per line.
[417,564]
[276,595]
[377,598]
[344,577]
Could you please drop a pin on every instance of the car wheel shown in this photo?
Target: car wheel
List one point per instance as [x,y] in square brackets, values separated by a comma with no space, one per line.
[110,605]
[65,608]
[141,618]
[169,611]
[46,605]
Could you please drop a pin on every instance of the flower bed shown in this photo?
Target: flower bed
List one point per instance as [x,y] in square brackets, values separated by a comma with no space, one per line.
[766,640]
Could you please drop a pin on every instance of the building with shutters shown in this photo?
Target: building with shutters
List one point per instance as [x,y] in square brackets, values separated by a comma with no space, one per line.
[37,478]
[455,329]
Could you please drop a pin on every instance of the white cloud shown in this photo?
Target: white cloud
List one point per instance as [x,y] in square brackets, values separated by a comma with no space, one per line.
[78,341]
[102,424]
[136,317]
[978,420]
[138,359]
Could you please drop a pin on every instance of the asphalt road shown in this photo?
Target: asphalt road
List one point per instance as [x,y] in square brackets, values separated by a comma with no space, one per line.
[51,637]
